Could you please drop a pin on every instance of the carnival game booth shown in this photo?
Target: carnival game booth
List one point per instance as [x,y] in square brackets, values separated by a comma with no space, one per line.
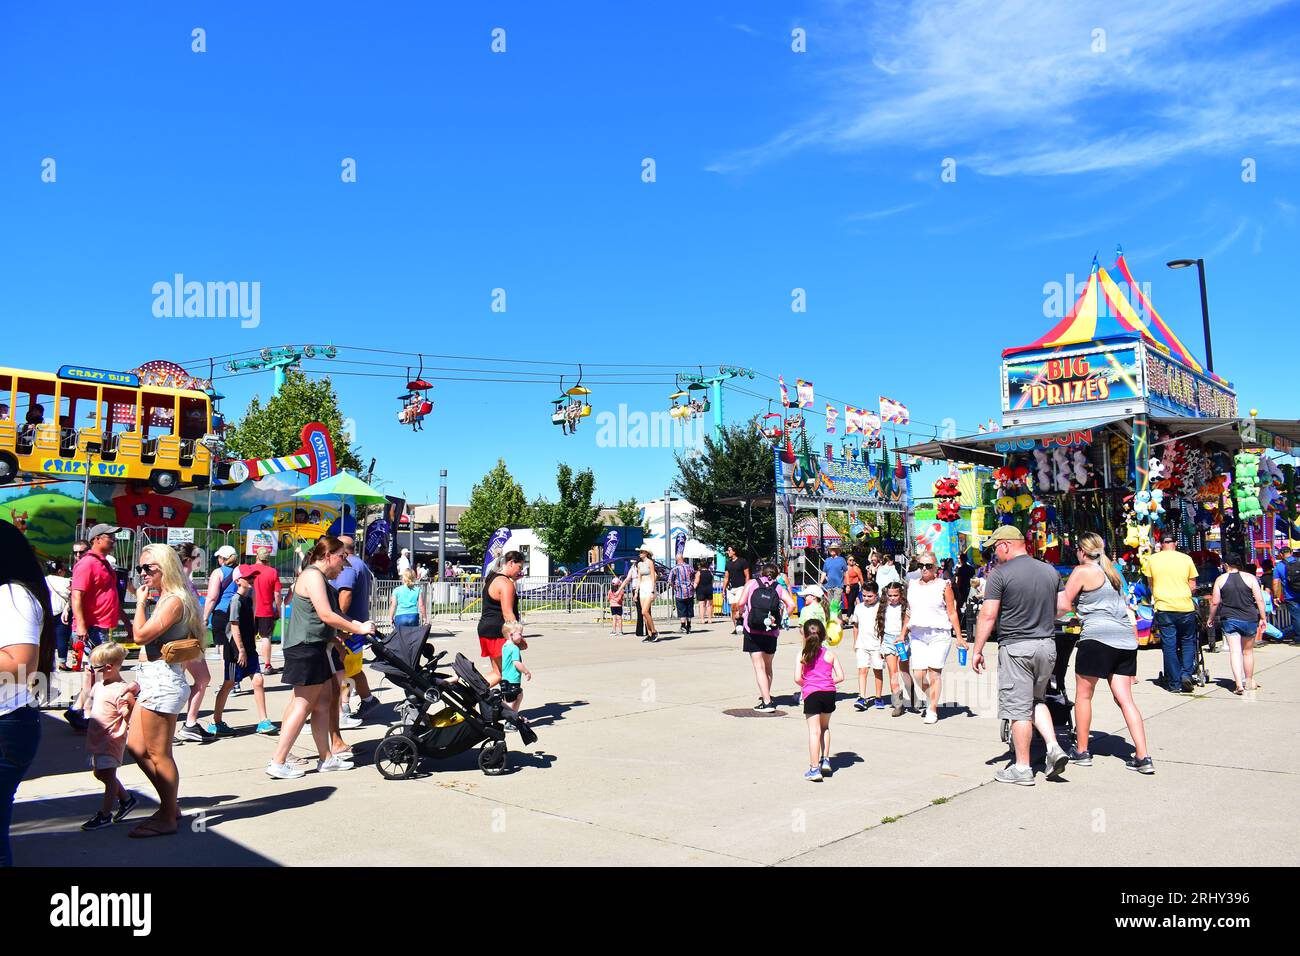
[1110,425]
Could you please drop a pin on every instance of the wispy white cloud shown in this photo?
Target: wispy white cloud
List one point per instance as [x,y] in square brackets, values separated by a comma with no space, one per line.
[1227,241]
[884,213]
[1020,89]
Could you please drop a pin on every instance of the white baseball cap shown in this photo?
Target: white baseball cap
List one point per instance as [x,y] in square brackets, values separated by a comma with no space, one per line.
[227,552]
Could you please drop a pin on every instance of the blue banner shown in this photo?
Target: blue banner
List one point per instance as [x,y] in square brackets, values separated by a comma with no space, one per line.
[496,544]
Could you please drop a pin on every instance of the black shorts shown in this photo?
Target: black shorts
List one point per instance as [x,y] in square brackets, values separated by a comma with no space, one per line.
[306,665]
[616,610]
[1095,659]
[685,607]
[265,626]
[760,643]
[220,625]
[703,596]
[819,702]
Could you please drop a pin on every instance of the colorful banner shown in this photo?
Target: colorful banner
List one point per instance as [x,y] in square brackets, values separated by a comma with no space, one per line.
[610,547]
[1086,378]
[832,413]
[785,392]
[496,545]
[1175,387]
[679,543]
[893,412]
[805,393]
[853,420]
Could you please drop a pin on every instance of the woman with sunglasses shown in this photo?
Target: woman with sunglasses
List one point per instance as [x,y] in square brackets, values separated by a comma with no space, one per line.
[191,731]
[933,623]
[313,622]
[164,692]
[26,653]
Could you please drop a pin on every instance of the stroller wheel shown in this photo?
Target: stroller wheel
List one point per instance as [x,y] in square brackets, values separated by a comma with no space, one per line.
[492,758]
[1006,731]
[396,757]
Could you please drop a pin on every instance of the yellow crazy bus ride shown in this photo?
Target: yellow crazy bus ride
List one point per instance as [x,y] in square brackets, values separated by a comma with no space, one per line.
[107,422]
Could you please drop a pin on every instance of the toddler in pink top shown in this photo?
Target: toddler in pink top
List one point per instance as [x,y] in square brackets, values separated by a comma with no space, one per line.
[109,720]
[817,671]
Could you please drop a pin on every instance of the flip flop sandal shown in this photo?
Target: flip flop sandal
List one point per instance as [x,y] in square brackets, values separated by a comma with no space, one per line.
[149,829]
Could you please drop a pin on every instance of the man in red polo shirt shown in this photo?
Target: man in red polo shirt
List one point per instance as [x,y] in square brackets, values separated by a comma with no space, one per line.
[266,601]
[95,609]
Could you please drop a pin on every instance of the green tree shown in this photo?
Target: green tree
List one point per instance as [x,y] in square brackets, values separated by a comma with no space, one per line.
[738,466]
[275,429]
[495,502]
[569,526]
[627,514]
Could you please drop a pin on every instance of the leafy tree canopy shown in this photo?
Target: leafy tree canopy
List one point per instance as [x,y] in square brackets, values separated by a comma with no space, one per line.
[275,428]
[739,465]
[569,526]
[496,501]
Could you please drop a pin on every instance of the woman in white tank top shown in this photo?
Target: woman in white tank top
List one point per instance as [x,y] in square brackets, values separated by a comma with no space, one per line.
[933,623]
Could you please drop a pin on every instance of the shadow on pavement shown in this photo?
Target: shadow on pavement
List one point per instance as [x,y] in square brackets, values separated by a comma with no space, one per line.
[552,712]
[48,832]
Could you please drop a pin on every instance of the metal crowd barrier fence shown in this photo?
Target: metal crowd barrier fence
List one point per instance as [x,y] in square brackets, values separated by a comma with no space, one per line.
[463,598]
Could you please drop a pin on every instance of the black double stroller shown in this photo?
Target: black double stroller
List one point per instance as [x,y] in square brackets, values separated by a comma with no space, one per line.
[444,714]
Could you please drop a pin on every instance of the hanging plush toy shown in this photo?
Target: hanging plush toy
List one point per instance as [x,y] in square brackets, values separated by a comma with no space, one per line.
[1043,467]
[1268,470]
[1155,469]
[1247,486]
[946,493]
[1082,468]
[1119,455]
[1061,469]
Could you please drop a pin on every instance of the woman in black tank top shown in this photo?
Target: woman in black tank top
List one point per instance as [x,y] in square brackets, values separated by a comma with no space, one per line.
[1239,603]
[492,622]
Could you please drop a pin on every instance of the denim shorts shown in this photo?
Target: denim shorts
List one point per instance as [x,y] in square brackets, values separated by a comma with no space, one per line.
[1235,625]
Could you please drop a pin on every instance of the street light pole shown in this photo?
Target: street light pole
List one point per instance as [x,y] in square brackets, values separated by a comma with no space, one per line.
[442,524]
[1205,305]
[668,525]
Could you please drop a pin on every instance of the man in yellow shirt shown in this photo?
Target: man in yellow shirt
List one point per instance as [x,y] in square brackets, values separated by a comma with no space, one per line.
[1173,575]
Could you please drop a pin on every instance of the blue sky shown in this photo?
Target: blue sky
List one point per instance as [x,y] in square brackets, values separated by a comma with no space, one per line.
[775,170]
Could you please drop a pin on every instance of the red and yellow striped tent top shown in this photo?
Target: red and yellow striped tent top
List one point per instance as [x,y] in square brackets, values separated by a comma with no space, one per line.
[1103,309]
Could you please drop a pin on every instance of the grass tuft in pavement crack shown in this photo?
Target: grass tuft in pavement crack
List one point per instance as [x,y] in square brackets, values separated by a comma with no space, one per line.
[888,819]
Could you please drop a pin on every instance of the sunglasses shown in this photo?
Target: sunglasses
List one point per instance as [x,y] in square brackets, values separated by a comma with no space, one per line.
[100,667]
[147,569]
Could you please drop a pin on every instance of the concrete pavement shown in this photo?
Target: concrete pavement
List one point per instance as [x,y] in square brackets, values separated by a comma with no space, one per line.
[638,762]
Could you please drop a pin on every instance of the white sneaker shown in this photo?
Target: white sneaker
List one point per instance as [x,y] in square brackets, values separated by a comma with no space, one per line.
[284,771]
[331,764]
[348,722]
[740,629]
[930,717]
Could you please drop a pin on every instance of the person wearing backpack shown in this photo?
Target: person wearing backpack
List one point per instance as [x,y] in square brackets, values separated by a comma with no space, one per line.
[1286,589]
[761,610]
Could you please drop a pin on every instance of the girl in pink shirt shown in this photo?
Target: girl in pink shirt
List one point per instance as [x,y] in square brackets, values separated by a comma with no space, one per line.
[817,671]
[110,713]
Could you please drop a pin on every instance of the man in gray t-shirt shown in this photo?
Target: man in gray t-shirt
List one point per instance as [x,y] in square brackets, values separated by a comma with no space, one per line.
[1020,602]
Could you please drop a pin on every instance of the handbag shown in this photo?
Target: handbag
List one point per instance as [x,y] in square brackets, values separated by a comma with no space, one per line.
[182,651]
